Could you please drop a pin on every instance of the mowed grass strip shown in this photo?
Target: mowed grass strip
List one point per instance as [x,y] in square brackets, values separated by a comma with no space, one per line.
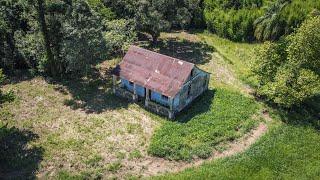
[216,117]
[286,152]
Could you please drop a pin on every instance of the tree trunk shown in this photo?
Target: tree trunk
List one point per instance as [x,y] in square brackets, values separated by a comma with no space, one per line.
[155,36]
[50,66]
[11,44]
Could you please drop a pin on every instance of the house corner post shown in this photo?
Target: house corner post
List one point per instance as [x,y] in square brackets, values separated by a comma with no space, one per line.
[135,96]
[146,102]
[114,79]
[171,112]
[207,83]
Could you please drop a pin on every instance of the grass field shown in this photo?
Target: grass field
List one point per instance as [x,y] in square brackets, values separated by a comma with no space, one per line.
[78,129]
[225,116]
[286,152]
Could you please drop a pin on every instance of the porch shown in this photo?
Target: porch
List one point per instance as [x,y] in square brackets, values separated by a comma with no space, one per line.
[135,93]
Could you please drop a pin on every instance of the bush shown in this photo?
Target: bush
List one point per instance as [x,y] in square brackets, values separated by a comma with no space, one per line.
[9,96]
[289,71]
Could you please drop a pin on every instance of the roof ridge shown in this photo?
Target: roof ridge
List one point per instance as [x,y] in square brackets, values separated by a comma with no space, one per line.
[161,54]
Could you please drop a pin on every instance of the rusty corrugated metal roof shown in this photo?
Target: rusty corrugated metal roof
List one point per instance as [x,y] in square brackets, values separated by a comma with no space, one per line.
[154,71]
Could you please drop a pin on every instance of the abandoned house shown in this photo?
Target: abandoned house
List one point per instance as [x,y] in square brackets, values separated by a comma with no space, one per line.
[165,84]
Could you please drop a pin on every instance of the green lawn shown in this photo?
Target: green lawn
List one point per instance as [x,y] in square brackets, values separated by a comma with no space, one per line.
[239,56]
[218,116]
[286,152]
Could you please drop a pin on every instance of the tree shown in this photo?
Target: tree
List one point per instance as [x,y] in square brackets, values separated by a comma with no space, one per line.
[83,43]
[119,35]
[50,66]
[232,19]
[150,17]
[267,27]
[289,71]
[12,19]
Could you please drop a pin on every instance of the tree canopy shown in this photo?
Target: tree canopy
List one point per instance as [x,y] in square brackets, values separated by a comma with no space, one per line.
[289,71]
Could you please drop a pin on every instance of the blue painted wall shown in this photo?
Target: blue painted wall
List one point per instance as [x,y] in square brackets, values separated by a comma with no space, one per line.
[139,89]
[125,83]
[155,96]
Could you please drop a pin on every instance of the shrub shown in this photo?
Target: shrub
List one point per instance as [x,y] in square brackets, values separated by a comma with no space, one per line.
[289,71]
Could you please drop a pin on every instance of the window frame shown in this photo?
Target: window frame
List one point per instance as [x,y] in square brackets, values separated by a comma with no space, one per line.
[164,97]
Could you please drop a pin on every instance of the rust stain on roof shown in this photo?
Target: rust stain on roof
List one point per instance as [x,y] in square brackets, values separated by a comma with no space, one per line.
[154,71]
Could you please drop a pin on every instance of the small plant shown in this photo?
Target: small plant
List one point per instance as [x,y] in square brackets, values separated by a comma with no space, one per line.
[6,97]
[94,161]
[114,167]
[120,155]
[133,128]
[135,154]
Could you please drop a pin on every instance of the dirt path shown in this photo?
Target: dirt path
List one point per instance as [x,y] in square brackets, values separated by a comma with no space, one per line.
[158,166]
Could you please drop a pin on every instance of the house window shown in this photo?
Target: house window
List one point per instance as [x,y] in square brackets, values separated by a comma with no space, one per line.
[130,83]
[191,74]
[164,97]
[189,90]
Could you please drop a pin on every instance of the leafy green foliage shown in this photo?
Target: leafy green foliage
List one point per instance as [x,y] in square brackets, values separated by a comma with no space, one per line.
[103,11]
[83,42]
[282,17]
[13,18]
[120,35]
[8,96]
[155,16]
[228,116]
[232,19]
[288,71]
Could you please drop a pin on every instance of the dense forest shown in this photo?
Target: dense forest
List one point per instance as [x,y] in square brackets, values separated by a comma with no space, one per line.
[61,38]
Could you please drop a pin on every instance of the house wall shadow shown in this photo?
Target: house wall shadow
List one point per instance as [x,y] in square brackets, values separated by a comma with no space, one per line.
[306,114]
[17,160]
[200,105]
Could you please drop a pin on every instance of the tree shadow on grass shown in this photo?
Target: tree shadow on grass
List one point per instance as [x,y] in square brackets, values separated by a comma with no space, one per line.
[92,93]
[308,114]
[191,51]
[18,76]
[17,159]
[200,105]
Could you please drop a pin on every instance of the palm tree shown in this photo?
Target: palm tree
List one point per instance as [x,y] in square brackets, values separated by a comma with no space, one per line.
[269,26]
